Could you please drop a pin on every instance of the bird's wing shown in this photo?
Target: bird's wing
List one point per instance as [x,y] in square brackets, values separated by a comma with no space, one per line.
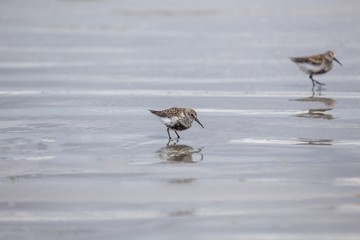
[315,59]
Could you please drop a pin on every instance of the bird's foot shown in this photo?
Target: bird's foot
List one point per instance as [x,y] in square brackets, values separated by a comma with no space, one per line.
[173,141]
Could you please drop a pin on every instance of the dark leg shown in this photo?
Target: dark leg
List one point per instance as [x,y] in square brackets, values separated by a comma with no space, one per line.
[313,81]
[177,135]
[313,91]
[169,133]
[317,82]
[320,83]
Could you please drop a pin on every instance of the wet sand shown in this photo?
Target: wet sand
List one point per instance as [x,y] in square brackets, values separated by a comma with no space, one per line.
[81,157]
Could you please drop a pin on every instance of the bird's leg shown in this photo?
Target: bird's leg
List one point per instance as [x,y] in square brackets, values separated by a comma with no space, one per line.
[313,81]
[320,83]
[177,135]
[169,134]
[317,82]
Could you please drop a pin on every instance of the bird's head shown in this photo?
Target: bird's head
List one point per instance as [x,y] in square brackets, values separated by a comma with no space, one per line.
[191,114]
[330,56]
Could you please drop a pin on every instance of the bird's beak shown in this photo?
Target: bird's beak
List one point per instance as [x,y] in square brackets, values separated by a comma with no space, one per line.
[338,61]
[197,120]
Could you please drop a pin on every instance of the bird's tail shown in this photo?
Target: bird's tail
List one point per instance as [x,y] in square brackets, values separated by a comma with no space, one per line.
[152,111]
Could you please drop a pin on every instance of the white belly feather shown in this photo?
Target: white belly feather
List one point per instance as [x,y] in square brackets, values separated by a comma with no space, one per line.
[310,68]
[169,122]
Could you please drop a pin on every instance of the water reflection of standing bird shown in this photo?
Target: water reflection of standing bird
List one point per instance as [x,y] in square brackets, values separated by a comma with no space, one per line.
[179,153]
[317,142]
[317,112]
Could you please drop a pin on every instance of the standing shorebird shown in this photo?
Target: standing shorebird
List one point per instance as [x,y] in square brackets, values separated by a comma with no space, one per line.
[316,64]
[177,119]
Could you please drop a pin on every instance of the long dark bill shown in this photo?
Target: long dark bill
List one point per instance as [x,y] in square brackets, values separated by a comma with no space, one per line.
[197,120]
[338,61]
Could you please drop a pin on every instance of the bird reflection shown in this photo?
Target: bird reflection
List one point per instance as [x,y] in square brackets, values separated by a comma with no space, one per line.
[323,142]
[329,102]
[317,112]
[180,153]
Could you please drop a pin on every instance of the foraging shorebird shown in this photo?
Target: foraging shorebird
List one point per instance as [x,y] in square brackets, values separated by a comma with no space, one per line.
[177,119]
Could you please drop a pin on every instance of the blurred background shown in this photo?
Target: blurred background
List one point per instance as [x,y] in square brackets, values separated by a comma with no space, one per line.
[81,157]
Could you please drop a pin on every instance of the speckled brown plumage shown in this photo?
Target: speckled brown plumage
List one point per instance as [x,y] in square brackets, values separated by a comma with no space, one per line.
[177,119]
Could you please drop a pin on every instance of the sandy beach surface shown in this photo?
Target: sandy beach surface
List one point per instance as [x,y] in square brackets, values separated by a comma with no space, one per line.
[81,157]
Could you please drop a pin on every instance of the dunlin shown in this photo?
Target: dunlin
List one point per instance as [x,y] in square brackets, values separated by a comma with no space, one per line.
[316,64]
[177,119]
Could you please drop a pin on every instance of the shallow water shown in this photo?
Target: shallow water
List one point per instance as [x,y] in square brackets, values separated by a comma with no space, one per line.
[83,158]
